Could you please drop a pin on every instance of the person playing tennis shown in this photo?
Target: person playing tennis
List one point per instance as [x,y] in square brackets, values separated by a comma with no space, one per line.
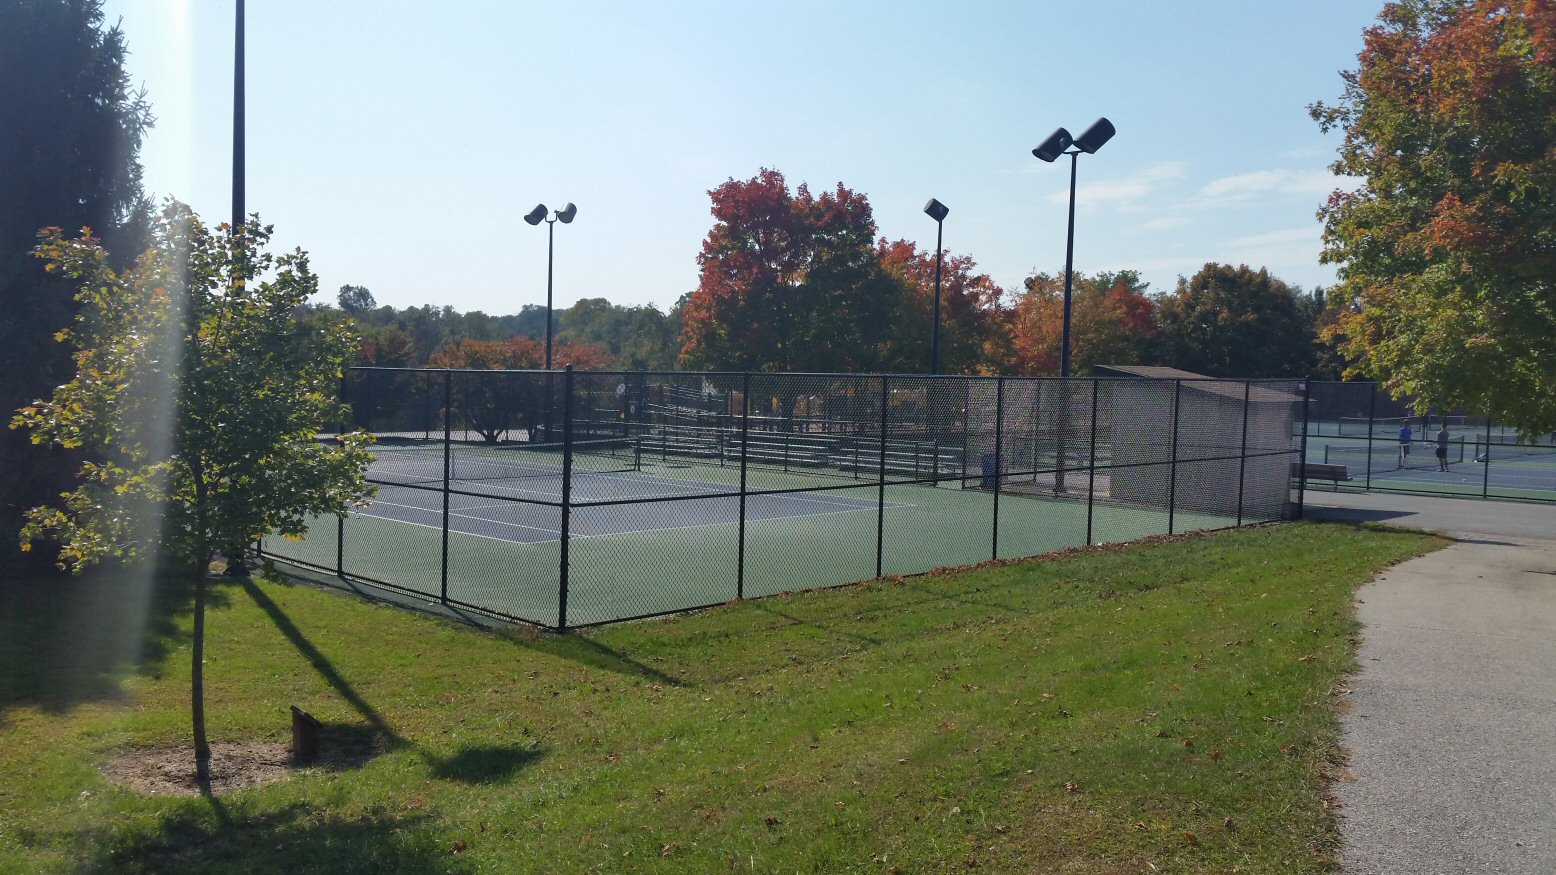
[1404,444]
[1442,447]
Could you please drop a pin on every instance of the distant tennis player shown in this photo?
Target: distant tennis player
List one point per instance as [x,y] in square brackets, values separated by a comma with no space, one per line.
[1442,447]
[1404,444]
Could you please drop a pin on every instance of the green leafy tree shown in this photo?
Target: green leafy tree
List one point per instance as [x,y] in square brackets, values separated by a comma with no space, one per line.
[1235,322]
[200,397]
[1448,247]
[70,133]
[356,300]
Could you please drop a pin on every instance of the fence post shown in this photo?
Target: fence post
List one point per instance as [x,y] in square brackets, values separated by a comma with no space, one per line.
[745,437]
[1172,471]
[1485,470]
[1091,458]
[567,489]
[999,439]
[448,465]
[1372,410]
[880,505]
[340,546]
[1242,454]
[1307,393]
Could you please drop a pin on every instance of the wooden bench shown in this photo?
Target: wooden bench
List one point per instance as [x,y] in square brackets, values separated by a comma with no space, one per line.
[1335,474]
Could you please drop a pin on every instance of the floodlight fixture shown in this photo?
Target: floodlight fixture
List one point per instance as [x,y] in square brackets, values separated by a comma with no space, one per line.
[1050,149]
[1099,133]
[1059,143]
[535,217]
[937,211]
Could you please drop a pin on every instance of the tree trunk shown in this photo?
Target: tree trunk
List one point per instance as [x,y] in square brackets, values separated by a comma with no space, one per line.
[197,688]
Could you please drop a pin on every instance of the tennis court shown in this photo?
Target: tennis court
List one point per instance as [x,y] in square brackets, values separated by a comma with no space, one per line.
[1357,425]
[696,499]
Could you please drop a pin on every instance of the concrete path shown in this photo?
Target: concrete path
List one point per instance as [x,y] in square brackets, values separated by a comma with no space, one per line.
[1452,721]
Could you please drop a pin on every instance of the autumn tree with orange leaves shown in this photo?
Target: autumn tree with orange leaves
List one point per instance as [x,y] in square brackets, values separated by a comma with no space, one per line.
[1112,322]
[971,336]
[1449,245]
[789,282]
[497,403]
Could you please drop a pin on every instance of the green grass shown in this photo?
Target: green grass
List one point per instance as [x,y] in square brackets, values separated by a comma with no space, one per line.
[1024,717]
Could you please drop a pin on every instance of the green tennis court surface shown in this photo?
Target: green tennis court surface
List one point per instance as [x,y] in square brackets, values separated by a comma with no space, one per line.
[662,556]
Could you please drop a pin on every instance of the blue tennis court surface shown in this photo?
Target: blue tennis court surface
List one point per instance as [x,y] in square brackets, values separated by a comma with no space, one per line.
[519,522]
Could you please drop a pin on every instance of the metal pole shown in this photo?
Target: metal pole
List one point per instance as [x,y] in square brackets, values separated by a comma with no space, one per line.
[550,250]
[880,504]
[999,437]
[448,465]
[934,343]
[1069,260]
[1091,474]
[1485,471]
[1172,475]
[1372,409]
[1242,455]
[567,490]
[1307,393]
[745,437]
[238,174]
[340,546]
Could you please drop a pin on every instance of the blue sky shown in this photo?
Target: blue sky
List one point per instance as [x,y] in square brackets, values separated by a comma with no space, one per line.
[400,143]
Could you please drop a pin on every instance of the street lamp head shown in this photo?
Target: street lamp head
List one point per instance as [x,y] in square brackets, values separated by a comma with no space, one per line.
[1054,146]
[1100,132]
[936,210]
[568,212]
[535,216]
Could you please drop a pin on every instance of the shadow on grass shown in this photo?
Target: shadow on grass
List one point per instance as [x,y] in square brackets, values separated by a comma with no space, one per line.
[73,639]
[198,838]
[351,745]
[322,665]
[580,648]
[484,764]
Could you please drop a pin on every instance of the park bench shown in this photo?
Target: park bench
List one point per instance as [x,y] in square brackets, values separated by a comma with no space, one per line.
[1335,474]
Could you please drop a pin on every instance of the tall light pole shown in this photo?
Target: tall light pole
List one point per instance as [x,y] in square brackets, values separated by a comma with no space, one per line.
[1099,133]
[937,211]
[1049,150]
[534,217]
[237,120]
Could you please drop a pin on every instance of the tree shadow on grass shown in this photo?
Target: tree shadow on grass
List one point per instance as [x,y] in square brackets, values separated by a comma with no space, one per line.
[349,745]
[203,836]
[485,764]
[323,665]
[68,640]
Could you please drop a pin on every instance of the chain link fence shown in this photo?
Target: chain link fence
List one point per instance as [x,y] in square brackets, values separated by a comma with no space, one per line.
[1357,439]
[574,498]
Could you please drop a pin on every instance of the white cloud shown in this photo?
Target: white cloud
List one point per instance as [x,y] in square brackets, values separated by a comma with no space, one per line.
[1166,224]
[1123,193]
[1261,183]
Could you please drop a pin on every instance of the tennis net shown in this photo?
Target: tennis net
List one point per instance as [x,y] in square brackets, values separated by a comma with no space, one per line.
[1511,448]
[422,462]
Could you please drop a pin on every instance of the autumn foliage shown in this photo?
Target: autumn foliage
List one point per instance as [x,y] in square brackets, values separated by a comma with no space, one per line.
[1449,246]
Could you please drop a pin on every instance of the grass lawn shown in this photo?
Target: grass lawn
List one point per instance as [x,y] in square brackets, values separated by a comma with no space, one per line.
[1166,707]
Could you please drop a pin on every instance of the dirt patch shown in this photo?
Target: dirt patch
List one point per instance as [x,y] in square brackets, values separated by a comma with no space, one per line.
[170,771]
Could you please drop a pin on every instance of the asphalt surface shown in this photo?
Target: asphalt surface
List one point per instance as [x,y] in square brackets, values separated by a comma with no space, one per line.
[1452,720]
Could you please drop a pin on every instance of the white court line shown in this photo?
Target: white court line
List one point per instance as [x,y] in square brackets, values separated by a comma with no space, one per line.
[483,519]
[718,523]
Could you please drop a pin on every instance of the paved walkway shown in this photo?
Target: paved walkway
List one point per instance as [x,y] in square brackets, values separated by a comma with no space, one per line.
[1452,727]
